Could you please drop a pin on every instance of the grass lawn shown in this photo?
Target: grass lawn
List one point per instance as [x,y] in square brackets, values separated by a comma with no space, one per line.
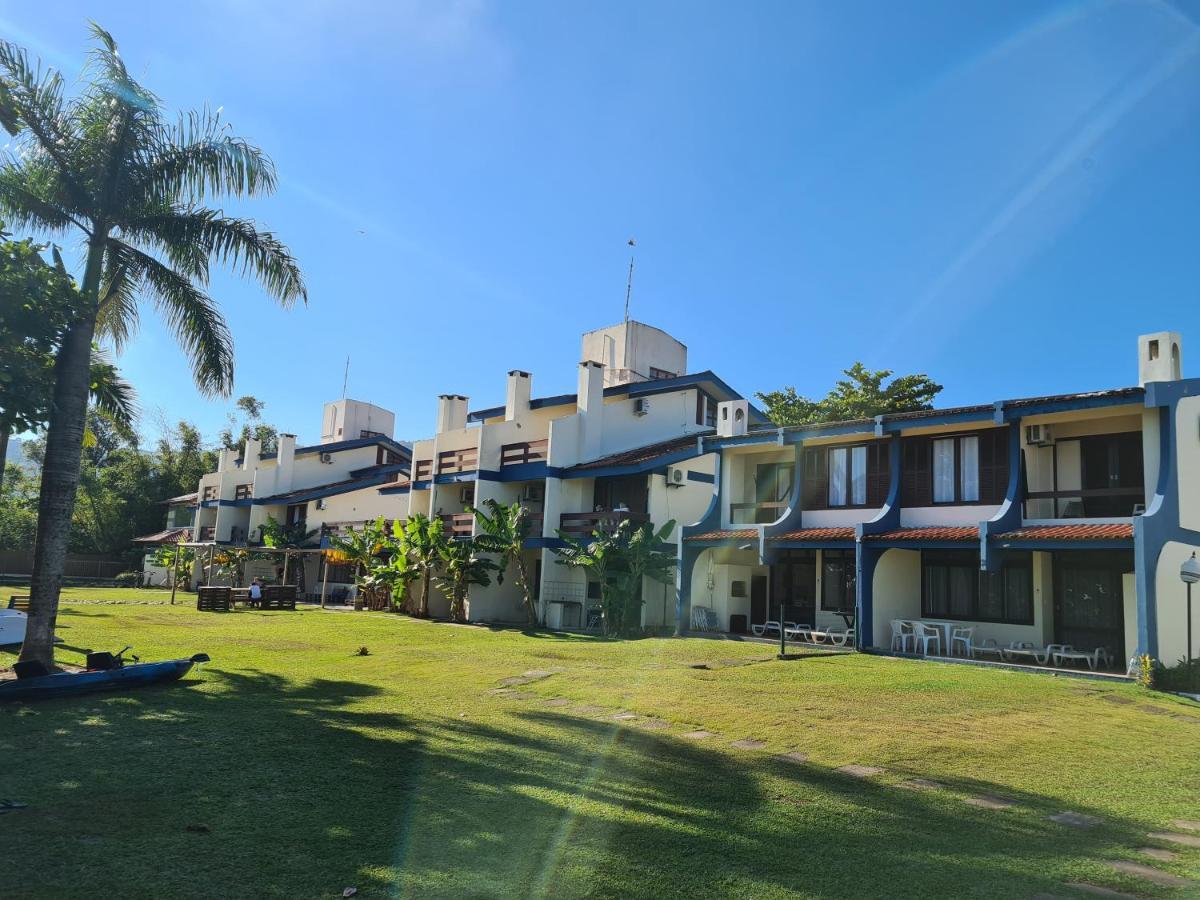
[291,767]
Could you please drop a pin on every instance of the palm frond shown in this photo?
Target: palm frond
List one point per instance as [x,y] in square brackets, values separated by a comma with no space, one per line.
[117,315]
[24,204]
[112,393]
[192,315]
[198,158]
[235,243]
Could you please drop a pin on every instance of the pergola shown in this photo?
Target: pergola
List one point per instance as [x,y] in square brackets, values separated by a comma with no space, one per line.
[213,547]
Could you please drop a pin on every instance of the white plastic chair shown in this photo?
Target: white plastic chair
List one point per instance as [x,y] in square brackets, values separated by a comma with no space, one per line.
[902,635]
[700,618]
[924,635]
[841,637]
[961,635]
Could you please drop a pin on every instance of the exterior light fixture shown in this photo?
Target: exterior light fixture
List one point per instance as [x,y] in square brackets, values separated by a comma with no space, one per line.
[1190,573]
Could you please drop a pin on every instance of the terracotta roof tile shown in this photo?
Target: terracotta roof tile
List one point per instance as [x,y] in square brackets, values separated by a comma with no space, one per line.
[1079,532]
[815,534]
[644,454]
[928,533]
[740,534]
[169,536]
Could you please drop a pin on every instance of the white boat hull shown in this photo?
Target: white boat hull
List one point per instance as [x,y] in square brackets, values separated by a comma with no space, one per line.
[12,626]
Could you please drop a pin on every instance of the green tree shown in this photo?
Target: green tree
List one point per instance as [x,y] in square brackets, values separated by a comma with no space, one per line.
[296,536]
[18,509]
[235,435]
[503,533]
[462,566]
[105,165]
[165,556]
[619,559]
[860,395]
[424,540]
[364,549]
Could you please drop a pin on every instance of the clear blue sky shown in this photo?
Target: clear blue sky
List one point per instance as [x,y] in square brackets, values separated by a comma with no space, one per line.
[1002,195]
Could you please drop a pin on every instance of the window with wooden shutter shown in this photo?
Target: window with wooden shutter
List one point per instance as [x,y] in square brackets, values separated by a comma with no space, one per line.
[816,478]
[993,465]
[916,472]
[879,472]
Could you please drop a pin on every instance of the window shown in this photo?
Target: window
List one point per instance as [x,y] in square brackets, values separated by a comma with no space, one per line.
[243,491]
[772,489]
[706,408]
[847,476]
[966,468]
[953,587]
[370,434]
[838,581]
[210,493]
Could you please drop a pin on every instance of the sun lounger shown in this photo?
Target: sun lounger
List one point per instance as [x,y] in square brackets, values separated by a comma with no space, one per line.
[1019,651]
[765,628]
[1093,658]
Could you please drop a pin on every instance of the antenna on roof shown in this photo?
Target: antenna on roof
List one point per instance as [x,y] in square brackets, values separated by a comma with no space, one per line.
[629,283]
[346,377]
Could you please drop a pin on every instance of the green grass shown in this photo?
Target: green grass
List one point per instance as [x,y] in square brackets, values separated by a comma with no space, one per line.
[314,769]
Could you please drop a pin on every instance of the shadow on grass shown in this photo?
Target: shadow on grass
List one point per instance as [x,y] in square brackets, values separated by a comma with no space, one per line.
[302,788]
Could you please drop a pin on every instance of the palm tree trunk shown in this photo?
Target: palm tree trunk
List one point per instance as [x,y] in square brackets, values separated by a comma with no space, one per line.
[5,429]
[60,469]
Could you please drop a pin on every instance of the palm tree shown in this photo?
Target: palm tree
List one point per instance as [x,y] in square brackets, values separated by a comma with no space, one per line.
[425,539]
[362,547]
[106,165]
[503,533]
[462,566]
[599,558]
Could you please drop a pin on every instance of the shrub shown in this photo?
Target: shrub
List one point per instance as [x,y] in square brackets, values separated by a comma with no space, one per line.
[1183,676]
[129,579]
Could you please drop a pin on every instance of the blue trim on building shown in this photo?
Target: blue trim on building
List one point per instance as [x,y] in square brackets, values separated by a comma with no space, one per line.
[867,557]
[689,553]
[338,446]
[644,467]
[1008,517]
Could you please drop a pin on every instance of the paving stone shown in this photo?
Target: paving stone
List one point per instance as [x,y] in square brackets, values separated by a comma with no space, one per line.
[1154,710]
[558,701]
[749,744]
[1149,873]
[987,801]
[922,784]
[1186,824]
[795,756]
[1096,890]
[538,673]
[1074,819]
[590,709]
[1158,853]
[698,735]
[857,771]
[500,691]
[1186,840]
[654,724]
[520,695]
[624,716]
[1119,699]
[516,679]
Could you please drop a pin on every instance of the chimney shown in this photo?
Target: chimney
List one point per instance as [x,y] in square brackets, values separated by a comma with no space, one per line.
[285,459]
[591,387]
[516,402]
[452,413]
[590,401]
[1160,357]
[226,461]
[733,417]
[250,454]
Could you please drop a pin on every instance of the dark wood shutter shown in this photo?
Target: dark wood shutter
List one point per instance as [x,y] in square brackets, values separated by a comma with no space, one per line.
[993,465]
[816,478]
[879,472]
[916,473]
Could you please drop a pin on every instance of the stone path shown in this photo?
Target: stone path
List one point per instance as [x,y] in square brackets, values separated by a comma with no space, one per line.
[1067,818]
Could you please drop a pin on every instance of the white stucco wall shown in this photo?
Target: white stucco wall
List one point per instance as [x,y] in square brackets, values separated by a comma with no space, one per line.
[924,516]
[1171,595]
[1187,449]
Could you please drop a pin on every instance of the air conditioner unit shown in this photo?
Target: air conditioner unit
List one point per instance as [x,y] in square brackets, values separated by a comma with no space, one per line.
[676,477]
[1039,435]
[466,493]
[327,458]
[531,492]
[321,503]
[641,406]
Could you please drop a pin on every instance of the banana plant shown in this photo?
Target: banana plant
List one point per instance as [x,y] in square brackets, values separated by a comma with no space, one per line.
[503,533]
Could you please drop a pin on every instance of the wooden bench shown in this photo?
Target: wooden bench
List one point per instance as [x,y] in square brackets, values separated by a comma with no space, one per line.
[213,599]
[278,596]
[19,601]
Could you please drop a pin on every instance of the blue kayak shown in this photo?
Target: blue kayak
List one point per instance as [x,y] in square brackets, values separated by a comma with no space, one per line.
[68,684]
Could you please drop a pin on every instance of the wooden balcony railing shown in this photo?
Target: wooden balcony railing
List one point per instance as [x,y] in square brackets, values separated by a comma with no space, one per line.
[586,523]
[210,493]
[243,491]
[459,524]
[756,513]
[536,524]
[208,533]
[422,470]
[523,452]
[330,528]
[1116,502]
[453,461]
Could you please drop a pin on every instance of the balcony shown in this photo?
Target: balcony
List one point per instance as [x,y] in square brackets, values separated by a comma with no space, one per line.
[756,513]
[459,525]
[210,493]
[341,528]
[579,524]
[523,452]
[243,492]
[423,470]
[207,533]
[1088,503]
[451,462]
